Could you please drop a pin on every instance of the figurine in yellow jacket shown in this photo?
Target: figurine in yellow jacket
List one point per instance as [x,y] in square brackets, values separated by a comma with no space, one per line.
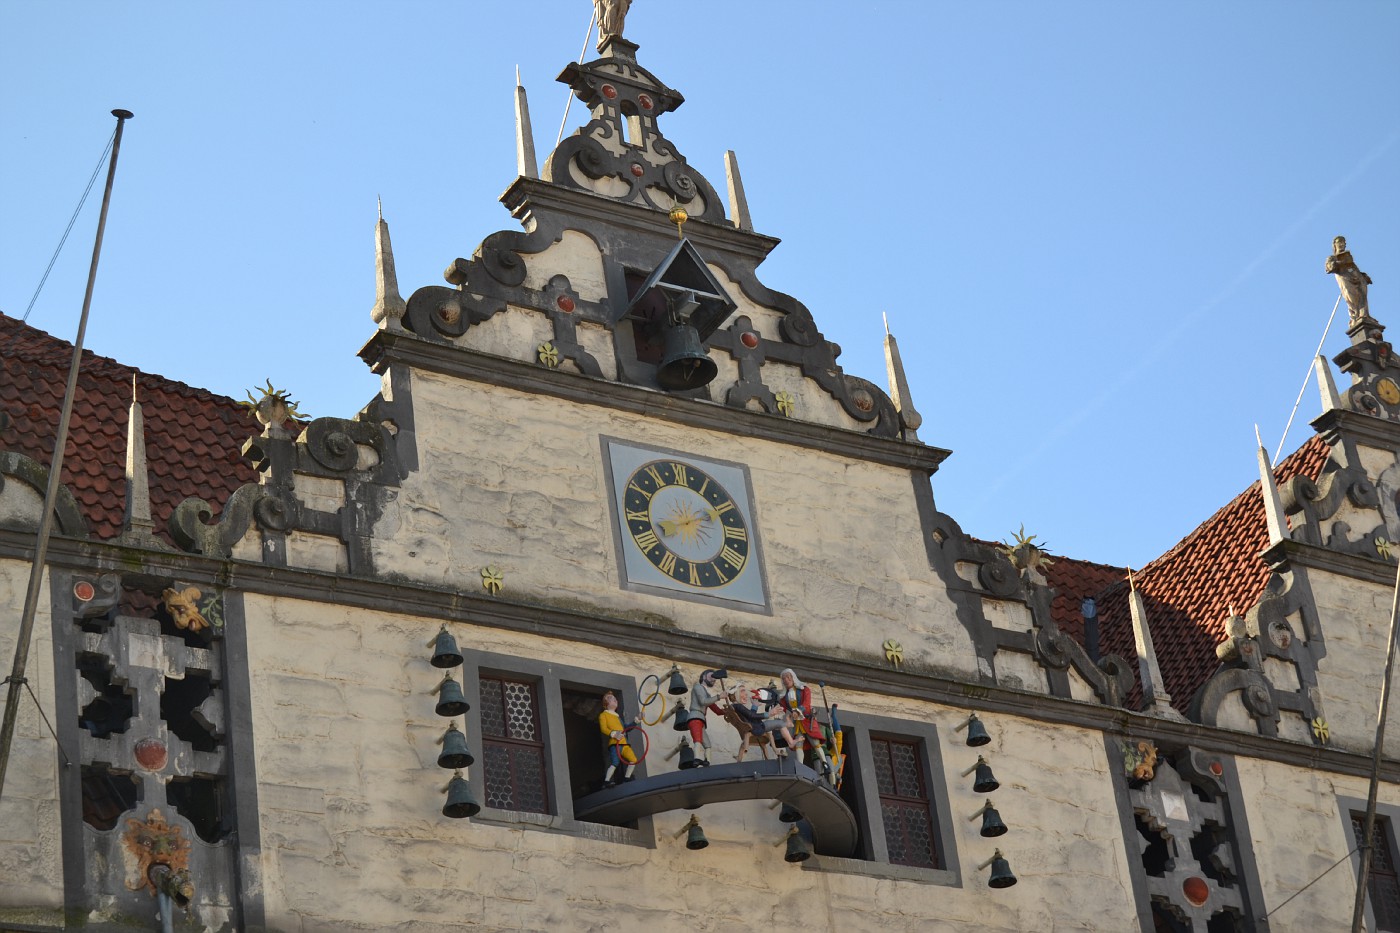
[619,749]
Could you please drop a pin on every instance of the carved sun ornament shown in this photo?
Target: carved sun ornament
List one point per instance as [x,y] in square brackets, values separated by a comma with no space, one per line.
[894,652]
[272,405]
[1026,553]
[548,355]
[492,580]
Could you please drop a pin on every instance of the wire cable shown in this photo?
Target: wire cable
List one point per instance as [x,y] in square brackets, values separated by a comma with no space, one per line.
[72,220]
[40,707]
[569,100]
[1311,883]
[1298,401]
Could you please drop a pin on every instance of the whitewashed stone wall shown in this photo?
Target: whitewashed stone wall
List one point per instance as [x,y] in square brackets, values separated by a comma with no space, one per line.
[516,481]
[31,852]
[1355,618]
[352,836]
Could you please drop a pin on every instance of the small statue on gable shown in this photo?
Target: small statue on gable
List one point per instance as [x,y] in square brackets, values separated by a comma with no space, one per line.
[1351,280]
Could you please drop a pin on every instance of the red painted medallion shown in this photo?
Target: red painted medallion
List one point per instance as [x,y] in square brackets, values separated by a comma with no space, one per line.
[84,590]
[1196,890]
[565,303]
[645,101]
[150,754]
[609,91]
[749,339]
[638,170]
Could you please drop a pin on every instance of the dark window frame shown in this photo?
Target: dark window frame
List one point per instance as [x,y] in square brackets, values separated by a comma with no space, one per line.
[1387,818]
[873,857]
[550,681]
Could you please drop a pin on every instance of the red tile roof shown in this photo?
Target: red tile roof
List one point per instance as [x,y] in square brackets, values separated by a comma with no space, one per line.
[192,436]
[1189,591]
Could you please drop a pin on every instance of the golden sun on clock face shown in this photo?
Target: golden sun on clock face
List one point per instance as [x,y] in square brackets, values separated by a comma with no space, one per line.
[686,524]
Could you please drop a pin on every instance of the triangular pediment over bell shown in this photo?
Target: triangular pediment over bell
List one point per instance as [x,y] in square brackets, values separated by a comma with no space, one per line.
[683,271]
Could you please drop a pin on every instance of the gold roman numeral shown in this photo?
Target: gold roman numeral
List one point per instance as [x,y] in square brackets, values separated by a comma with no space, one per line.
[637,516]
[694,576]
[724,507]
[655,474]
[642,492]
[668,563]
[646,540]
[737,534]
[731,557]
[679,470]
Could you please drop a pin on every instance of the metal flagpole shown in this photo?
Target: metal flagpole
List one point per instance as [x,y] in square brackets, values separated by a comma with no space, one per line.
[1369,827]
[41,548]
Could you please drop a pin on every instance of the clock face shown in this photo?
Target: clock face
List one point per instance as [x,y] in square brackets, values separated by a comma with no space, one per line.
[1388,391]
[685,526]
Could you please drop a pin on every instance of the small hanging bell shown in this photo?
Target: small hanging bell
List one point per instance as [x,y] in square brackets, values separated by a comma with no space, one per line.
[676,687]
[991,821]
[985,781]
[976,732]
[455,753]
[461,803]
[798,848]
[789,814]
[451,701]
[445,653]
[684,363]
[1001,876]
[682,720]
[688,759]
[695,837]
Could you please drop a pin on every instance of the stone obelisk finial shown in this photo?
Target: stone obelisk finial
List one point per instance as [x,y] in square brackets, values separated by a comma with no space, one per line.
[899,388]
[525,163]
[388,307]
[1325,385]
[1154,692]
[138,490]
[1273,506]
[738,201]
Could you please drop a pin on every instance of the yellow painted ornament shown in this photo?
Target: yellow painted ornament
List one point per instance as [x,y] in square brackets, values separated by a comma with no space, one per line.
[1321,730]
[548,355]
[491,580]
[894,652]
[787,403]
[679,217]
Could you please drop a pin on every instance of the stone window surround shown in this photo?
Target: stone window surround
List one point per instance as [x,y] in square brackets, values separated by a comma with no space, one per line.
[1346,806]
[550,679]
[874,858]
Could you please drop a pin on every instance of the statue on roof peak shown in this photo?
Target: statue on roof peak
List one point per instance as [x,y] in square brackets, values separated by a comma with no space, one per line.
[610,15]
[1351,280]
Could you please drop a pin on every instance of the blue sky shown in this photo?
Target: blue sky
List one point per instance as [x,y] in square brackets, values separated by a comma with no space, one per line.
[1098,229]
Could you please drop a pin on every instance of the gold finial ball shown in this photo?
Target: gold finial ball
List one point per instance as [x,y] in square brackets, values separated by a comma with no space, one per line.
[678,215]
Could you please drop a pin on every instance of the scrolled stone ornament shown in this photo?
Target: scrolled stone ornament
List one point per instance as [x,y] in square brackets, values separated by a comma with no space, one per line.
[679,182]
[1258,701]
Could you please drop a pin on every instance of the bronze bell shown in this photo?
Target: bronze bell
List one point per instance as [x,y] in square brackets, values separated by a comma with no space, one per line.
[461,803]
[445,653]
[682,719]
[798,848]
[684,362]
[695,837]
[677,686]
[451,702]
[687,757]
[976,732]
[455,753]
[991,821]
[985,782]
[1001,873]
[789,814]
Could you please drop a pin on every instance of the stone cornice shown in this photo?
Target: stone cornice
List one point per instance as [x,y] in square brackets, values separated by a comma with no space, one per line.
[1366,429]
[526,194]
[1297,553]
[387,348]
[840,672]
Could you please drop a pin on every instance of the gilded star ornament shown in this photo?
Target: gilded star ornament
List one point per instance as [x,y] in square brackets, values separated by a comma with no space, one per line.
[1321,730]
[547,354]
[894,652]
[492,580]
[787,403]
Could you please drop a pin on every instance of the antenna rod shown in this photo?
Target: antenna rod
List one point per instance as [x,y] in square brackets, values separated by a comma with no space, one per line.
[41,547]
